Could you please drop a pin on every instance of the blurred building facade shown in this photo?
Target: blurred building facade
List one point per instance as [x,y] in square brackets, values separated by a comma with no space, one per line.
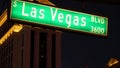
[30,47]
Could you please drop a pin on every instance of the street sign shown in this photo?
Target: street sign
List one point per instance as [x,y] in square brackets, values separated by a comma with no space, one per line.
[57,17]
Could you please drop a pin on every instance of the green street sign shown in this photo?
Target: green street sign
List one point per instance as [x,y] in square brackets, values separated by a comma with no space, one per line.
[57,17]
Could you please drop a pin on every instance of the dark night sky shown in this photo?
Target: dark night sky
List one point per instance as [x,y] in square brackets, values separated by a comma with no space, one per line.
[79,49]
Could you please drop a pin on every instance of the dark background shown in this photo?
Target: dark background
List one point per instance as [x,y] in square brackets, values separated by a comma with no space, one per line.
[81,50]
[86,51]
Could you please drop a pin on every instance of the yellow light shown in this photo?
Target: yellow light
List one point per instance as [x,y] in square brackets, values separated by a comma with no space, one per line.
[112,62]
[3,17]
[14,28]
[18,27]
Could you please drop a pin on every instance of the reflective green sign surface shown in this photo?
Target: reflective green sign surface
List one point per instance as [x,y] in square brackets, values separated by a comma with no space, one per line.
[56,17]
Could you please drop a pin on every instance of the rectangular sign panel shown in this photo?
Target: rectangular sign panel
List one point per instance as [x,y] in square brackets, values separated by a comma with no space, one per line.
[57,17]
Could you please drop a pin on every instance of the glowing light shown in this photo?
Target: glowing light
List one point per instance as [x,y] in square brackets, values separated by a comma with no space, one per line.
[3,17]
[14,28]
[112,62]
[17,28]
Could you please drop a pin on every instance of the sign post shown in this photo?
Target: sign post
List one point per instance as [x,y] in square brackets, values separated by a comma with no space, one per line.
[57,17]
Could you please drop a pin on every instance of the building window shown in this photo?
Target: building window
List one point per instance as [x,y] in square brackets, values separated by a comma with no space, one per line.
[32,49]
[53,50]
[43,50]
